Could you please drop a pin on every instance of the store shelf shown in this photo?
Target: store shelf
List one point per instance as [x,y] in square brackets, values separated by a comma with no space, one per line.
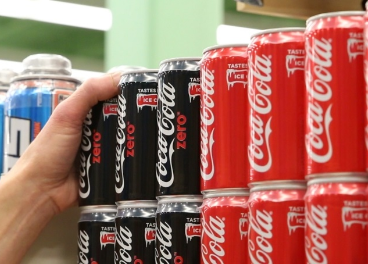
[301,9]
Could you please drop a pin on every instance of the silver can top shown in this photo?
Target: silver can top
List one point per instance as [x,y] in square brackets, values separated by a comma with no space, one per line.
[47,64]
[180,64]
[278,185]
[226,192]
[137,204]
[6,76]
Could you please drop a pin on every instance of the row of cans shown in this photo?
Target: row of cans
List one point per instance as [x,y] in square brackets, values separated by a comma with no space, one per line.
[273,222]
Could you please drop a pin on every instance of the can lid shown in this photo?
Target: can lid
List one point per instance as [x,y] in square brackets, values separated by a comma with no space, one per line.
[46,64]
[225,192]
[337,177]
[98,209]
[225,46]
[137,204]
[6,76]
[278,185]
[335,14]
[278,30]
[180,199]
[180,59]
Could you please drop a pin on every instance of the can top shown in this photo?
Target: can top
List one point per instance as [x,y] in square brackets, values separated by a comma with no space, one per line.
[278,185]
[47,64]
[335,14]
[224,46]
[337,178]
[124,68]
[6,76]
[137,204]
[179,199]
[277,30]
[142,75]
[183,63]
[98,209]
[225,192]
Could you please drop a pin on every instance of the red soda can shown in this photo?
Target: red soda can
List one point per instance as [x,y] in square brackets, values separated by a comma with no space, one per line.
[276,96]
[224,80]
[224,218]
[366,82]
[335,94]
[336,212]
[276,222]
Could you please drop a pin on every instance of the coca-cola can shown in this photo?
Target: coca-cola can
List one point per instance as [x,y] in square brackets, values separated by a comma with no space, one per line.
[275,105]
[223,112]
[276,222]
[178,229]
[135,232]
[335,94]
[337,219]
[96,234]
[136,135]
[177,160]
[365,61]
[224,217]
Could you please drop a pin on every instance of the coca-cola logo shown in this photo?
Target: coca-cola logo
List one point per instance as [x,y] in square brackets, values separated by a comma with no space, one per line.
[234,77]
[213,230]
[124,241]
[192,230]
[295,221]
[120,148]
[315,243]
[166,128]
[294,63]
[85,157]
[355,47]
[207,120]
[354,216]
[146,100]
[107,238]
[149,235]
[109,109]
[318,79]
[164,237]
[83,246]
[194,90]
[259,244]
[259,91]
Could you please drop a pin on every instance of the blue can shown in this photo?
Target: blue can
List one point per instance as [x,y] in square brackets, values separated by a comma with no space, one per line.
[44,83]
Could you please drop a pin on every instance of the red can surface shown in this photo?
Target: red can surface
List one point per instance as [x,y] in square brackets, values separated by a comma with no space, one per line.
[224,217]
[335,94]
[224,80]
[276,96]
[366,81]
[276,222]
[336,219]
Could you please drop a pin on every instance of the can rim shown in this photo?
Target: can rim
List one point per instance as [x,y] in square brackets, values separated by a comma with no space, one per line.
[277,30]
[235,45]
[139,71]
[335,14]
[180,59]
[340,177]
[179,199]
[46,76]
[98,208]
[213,193]
[137,204]
[278,185]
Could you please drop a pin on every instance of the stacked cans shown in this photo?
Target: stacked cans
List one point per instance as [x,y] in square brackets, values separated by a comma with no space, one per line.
[276,146]
[177,162]
[44,82]
[336,199]
[136,135]
[223,154]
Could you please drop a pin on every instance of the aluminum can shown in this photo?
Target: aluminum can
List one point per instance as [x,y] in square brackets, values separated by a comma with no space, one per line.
[335,115]
[178,229]
[135,232]
[6,76]
[33,95]
[365,66]
[96,234]
[177,159]
[275,105]
[224,217]
[224,81]
[337,219]
[136,136]
[276,222]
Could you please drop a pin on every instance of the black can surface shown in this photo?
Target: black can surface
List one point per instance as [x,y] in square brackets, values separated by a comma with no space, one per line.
[96,234]
[178,229]
[136,136]
[135,232]
[177,162]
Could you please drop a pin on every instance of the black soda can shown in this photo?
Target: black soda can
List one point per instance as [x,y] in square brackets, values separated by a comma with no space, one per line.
[136,136]
[96,235]
[135,232]
[177,160]
[178,229]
